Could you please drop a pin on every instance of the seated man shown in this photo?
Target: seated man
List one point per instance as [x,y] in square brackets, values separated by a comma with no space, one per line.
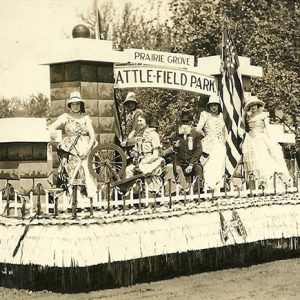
[186,150]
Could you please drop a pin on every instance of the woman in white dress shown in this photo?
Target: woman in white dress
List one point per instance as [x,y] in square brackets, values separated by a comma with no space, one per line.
[212,125]
[76,145]
[261,154]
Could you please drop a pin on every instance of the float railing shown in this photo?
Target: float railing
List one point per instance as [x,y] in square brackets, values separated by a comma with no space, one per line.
[43,202]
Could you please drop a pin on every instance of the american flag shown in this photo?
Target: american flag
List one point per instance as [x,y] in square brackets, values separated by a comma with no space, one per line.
[232,95]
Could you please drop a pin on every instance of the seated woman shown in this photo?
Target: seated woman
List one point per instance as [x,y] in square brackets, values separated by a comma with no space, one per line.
[146,154]
[75,146]
[262,156]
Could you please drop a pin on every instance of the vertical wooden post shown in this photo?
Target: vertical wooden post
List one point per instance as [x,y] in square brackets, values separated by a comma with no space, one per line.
[1,199]
[184,198]
[239,191]
[46,202]
[139,182]
[31,202]
[23,209]
[55,205]
[38,186]
[99,195]
[274,182]
[225,188]
[170,194]
[205,192]
[263,189]
[198,189]
[250,184]
[91,207]
[108,196]
[74,202]
[124,203]
[7,191]
[154,203]
[15,203]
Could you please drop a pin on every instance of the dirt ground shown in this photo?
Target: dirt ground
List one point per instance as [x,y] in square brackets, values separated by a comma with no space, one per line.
[275,280]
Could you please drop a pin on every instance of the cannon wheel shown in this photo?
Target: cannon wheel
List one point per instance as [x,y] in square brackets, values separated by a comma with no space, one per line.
[107,162]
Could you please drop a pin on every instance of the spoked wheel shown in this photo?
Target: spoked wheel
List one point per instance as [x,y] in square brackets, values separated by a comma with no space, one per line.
[107,162]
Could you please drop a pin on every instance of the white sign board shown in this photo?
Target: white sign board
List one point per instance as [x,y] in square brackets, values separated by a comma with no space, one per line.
[23,130]
[147,57]
[277,134]
[152,76]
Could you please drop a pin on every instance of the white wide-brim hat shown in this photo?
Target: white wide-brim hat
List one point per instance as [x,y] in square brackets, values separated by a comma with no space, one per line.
[74,97]
[214,99]
[252,100]
[130,98]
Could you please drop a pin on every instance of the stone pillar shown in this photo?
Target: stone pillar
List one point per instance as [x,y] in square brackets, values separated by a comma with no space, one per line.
[94,80]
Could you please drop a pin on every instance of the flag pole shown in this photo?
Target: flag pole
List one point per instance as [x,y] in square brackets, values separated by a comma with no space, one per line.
[222,43]
[231,87]
[96,20]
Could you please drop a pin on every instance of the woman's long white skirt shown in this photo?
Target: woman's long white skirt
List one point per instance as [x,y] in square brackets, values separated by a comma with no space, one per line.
[264,157]
[214,168]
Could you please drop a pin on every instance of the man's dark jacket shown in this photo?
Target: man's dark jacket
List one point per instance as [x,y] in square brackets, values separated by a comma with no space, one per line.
[185,156]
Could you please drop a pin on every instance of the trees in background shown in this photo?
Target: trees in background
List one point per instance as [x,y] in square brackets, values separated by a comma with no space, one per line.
[35,106]
[135,29]
[6,108]
[267,31]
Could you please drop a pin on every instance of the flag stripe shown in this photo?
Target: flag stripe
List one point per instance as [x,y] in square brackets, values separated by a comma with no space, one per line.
[238,84]
[232,95]
[232,105]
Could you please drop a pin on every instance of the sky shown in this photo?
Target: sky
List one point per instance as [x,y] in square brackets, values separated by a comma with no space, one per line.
[28,29]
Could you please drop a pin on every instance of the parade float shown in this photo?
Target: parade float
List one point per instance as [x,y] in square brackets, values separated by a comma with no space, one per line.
[58,243]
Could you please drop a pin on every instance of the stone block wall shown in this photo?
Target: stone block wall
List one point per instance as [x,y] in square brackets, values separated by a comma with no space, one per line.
[94,80]
[23,165]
